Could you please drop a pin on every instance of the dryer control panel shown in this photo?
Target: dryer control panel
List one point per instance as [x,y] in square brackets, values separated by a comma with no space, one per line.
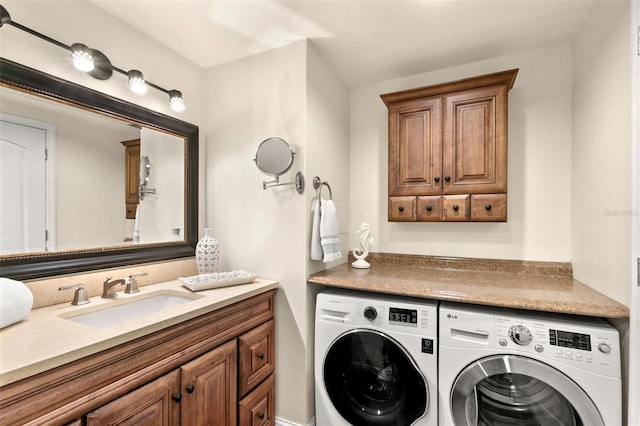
[586,343]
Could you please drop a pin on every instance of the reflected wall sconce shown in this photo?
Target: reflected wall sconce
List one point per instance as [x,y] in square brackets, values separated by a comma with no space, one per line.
[97,65]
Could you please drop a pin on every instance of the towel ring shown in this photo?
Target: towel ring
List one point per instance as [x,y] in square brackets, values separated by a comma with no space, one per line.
[319,183]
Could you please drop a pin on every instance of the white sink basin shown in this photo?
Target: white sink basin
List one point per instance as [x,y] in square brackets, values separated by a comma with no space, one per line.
[122,310]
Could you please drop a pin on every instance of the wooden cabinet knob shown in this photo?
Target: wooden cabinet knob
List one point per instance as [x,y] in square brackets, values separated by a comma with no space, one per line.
[487,207]
[190,388]
[455,207]
[401,208]
[177,397]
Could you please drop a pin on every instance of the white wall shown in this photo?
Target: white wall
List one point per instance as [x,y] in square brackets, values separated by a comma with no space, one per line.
[539,166]
[601,220]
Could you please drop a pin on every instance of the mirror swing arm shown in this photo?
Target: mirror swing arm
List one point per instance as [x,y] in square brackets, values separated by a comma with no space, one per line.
[38,265]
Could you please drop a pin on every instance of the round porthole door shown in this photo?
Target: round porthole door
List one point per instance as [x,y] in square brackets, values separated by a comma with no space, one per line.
[372,380]
[510,390]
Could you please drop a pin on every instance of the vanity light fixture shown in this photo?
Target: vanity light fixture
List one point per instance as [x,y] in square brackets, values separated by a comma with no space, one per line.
[97,65]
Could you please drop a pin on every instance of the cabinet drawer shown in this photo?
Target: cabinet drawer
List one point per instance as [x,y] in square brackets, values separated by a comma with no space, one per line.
[258,408]
[456,208]
[429,209]
[256,356]
[489,208]
[402,209]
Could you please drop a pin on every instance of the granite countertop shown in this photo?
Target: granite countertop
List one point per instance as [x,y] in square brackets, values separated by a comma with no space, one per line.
[45,339]
[539,286]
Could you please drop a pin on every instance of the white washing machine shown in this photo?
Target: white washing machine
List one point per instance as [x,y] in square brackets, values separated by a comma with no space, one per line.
[375,360]
[508,367]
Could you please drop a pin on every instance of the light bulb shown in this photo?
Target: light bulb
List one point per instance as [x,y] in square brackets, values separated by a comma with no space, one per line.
[136,82]
[176,101]
[81,56]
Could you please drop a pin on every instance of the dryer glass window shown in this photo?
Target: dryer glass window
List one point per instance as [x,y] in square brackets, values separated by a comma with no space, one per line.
[372,380]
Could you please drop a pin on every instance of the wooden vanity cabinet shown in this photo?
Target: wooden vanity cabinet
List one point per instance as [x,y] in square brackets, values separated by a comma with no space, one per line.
[216,369]
[449,140]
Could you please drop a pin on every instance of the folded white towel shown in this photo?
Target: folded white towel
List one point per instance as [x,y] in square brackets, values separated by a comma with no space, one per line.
[16,301]
[136,226]
[316,248]
[329,232]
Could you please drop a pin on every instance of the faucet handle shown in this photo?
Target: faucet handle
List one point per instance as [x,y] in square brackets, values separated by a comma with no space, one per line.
[132,283]
[80,297]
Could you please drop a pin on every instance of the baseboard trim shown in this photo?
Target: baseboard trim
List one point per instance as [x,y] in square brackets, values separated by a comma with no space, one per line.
[283,422]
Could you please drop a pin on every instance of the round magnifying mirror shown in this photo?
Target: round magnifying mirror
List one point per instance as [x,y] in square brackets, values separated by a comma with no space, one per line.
[274,157]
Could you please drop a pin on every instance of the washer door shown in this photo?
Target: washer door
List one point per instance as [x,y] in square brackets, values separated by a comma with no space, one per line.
[510,390]
[372,380]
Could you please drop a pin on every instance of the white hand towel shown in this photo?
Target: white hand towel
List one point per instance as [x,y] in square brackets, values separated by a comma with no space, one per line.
[136,226]
[329,232]
[16,301]
[316,248]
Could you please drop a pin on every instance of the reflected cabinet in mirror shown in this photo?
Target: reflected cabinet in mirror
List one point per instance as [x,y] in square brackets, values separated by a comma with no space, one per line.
[90,181]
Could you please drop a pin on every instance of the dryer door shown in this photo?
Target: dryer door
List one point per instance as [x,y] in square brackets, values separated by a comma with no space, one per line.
[372,380]
[506,390]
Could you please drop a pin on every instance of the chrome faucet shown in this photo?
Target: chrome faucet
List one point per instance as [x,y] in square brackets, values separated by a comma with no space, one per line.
[132,283]
[109,288]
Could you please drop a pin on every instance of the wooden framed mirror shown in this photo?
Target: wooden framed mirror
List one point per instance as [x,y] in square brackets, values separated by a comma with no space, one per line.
[41,263]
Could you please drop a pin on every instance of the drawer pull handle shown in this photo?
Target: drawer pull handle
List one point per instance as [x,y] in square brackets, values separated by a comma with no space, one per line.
[190,388]
[455,207]
[261,355]
[401,208]
[261,416]
[436,179]
[487,207]
[429,208]
[447,178]
[177,397]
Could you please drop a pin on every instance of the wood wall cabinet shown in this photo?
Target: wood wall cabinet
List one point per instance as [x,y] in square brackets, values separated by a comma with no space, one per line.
[448,150]
[216,369]
[131,176]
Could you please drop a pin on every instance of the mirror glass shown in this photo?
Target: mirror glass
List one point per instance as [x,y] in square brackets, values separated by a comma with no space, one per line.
[80,208]
[274,157]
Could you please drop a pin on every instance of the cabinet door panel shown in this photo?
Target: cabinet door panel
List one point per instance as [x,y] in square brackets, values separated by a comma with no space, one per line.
[256,356]
[475,135]
[402,209]
[151,405]
[415,148]
[258,408]
[456,208]
[489,208]
[429,209]
[209,388]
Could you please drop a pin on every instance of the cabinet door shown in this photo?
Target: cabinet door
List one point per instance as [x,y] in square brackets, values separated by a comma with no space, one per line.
[402,209]
[131,176]
[209,388]
[153,404]
[429,209]
[456,208]
[258,408]
[415,147]
[256,356]
[475,141]
[489,208]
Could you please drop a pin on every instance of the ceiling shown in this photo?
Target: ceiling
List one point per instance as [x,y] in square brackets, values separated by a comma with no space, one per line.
[364,41]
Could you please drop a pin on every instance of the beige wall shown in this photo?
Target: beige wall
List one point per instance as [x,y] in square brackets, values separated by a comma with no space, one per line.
[539,162]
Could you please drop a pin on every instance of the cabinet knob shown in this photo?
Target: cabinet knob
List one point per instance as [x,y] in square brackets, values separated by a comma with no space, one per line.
[190,388]
[487,207]
[177,397]
[261,355]
[436,179]
[429,208]
[261,416]
[455,207]
[401,208]
[447,178]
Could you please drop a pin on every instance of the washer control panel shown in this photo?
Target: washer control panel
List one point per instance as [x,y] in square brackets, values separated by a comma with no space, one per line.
[586,343]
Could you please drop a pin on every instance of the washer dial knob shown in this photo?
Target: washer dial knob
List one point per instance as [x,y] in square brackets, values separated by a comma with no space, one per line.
[520,334]
[370,313]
